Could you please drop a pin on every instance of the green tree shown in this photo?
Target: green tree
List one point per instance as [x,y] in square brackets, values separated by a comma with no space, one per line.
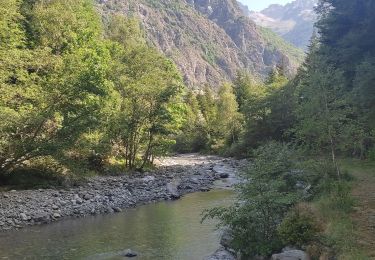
[265,108]
[193,136]
[149,87]
[52,92]
[229,120]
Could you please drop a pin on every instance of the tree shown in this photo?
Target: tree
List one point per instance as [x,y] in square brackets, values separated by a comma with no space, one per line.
[193,135]
[229,120]
[11,32]
[243,86]
[265,108]
[53,88]
[149,87]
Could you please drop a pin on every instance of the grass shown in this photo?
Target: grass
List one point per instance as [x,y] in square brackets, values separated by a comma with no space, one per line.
[337,212]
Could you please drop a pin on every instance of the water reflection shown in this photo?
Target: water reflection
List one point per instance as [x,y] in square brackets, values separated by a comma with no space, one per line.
[167,230]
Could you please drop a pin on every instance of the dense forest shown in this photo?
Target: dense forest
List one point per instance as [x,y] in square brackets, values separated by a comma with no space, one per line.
[81,95]
[297,190]
[77,93]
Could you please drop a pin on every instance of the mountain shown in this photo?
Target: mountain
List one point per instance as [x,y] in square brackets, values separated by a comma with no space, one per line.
[293,21]
[209,40]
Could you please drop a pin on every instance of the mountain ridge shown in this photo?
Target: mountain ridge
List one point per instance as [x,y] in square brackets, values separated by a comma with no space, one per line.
[293,21]
[210,41]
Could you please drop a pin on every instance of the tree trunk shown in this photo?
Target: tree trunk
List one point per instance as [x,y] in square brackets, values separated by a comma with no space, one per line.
[148,150]
[333,154]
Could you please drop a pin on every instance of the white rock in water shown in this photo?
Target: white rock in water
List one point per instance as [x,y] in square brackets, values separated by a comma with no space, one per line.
[291,255]
[130,253]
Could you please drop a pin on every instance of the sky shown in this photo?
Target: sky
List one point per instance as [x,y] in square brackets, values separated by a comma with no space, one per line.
[258,5]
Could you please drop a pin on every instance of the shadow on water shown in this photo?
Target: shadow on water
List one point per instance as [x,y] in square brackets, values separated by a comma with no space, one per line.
[165,230]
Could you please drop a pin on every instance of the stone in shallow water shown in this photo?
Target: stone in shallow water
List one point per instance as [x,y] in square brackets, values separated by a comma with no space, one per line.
[130,253]
[116,209]
[226,238]
[41,218]
[221,254]
[224,175]
[172,189]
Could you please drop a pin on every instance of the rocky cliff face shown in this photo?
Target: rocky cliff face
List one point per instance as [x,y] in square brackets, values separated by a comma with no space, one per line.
[293,21]
[209,40]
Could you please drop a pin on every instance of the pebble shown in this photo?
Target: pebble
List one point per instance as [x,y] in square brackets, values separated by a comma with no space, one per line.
[23,216]
[100,195]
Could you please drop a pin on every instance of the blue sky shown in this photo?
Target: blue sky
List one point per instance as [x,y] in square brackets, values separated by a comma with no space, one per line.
[257,5]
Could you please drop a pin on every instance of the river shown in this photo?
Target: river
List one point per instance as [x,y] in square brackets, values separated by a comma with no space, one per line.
[165,230]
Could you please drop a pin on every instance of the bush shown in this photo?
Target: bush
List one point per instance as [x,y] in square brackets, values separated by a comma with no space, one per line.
[299,227]
[371,154]
[264,199]
[42,172]
[191,142]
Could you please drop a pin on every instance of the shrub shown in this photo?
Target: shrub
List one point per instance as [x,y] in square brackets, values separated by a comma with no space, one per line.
[340,197]
[371,154]
[299,227]
[262,203]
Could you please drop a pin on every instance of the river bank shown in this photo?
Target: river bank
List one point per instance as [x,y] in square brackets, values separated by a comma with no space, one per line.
[174,177]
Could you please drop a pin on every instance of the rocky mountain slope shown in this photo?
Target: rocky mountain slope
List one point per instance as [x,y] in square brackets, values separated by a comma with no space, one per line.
[209,40]
[293,21]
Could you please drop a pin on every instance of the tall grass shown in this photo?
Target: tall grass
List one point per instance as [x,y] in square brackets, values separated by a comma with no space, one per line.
[335,208]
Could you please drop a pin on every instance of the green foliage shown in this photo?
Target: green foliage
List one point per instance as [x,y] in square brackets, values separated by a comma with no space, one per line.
[193,136]
[265,197]
[371,154]
[335,111]
[11,32]
[125,31]
[229,120]
[213,122]
[52,93]
[63,25]
[70,95]
[339,197]
[149,88]
[299,228]
[266,107]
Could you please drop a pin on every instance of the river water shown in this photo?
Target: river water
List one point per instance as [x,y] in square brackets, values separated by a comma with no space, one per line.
[165,230]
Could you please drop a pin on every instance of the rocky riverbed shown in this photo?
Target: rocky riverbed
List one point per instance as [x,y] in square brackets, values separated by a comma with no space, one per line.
[174,177]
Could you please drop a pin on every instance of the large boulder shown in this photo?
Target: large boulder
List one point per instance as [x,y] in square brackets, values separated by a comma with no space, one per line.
[42,218]
[221,254]
[291,255]
[172,189]
[226,238]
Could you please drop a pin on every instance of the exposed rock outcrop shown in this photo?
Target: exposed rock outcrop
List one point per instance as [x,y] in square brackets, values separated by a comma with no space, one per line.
[209,40]
[294,21]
